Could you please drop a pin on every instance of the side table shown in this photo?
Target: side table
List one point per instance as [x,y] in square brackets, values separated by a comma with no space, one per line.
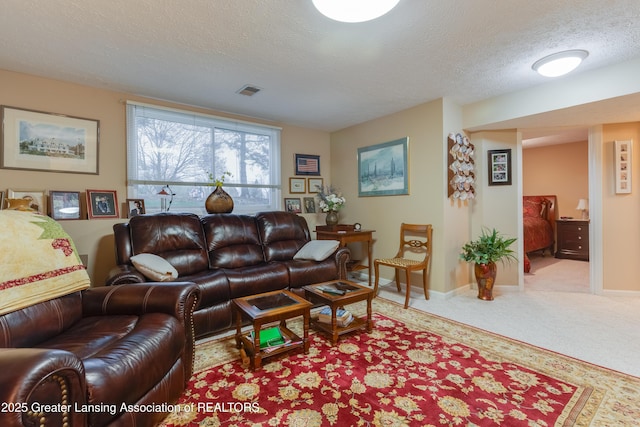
[266,308]
[326,293]
[573,239]
[346,234]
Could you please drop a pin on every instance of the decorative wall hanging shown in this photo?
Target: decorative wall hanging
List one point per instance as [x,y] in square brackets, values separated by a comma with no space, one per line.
[34,140]
[499,167]
[623,158]
[383,169]
[461,167]
[307,164]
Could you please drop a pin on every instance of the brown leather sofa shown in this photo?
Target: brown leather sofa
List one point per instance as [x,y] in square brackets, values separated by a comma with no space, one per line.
[85,359]
[226,255]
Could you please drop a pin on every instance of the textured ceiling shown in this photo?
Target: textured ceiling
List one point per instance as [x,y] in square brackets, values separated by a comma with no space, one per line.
[313,72]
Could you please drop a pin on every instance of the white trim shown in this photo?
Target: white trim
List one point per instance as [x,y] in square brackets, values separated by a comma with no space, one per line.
[195,113]
[595,210]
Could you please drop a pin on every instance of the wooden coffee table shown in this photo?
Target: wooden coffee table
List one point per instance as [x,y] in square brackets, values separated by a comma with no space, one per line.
[322,293]
[266,308]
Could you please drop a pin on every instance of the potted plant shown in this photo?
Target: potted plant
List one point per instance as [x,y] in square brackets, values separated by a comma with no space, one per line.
[485,251]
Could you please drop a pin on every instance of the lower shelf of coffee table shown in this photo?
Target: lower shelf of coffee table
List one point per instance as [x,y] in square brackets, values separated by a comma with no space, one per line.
[355,325]
[293,341]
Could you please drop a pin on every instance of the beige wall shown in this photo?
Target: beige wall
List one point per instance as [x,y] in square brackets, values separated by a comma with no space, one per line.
[620,214]
[561,170]
[497,206]
[423,125]
[94,238]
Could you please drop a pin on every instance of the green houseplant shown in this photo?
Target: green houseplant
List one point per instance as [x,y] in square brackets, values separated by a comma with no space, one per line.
[485,252]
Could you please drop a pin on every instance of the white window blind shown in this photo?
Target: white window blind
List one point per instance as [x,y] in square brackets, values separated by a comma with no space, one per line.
[180,149]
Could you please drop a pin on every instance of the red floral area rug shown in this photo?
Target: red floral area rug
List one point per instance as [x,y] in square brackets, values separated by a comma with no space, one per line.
[414,369]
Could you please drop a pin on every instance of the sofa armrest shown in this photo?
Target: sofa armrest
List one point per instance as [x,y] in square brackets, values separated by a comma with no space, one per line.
[178,299]
[342,256]
[124,274]
[32,378]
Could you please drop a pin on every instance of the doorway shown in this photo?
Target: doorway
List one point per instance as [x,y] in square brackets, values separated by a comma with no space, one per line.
[556,162]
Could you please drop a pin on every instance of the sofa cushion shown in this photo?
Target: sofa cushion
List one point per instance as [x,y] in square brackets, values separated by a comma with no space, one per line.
[232,241]
[317,250]
[176,237]
[154,267]
[283,234]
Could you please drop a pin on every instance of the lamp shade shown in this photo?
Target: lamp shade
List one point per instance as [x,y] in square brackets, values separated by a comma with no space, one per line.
[582,205]
[354,10]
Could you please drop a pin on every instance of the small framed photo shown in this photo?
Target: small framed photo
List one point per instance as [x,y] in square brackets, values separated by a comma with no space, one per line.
[309,204]
[293,205]
[1,200]
[37,198]
[135,207]
[499,167]
[307,164]
[297,185]
[315,185]
[102,204]
[623,156]
[64,205]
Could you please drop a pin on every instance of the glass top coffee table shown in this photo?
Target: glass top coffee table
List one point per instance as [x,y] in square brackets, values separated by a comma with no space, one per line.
[269,307]
[336,294]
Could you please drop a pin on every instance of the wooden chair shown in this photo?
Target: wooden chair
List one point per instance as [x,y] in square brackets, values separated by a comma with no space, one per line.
[415,239]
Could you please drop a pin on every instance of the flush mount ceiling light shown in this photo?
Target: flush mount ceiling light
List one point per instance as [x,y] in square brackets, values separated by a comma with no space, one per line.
[354,10]
[561,63]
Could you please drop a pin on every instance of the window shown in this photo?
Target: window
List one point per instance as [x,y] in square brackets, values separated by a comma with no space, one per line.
[181,149]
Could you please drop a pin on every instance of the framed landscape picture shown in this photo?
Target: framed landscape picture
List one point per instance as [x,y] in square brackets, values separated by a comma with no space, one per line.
[102,204]
[383,169]
[34,140]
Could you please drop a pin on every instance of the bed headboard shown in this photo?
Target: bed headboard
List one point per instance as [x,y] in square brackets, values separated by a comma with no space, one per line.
[549,202]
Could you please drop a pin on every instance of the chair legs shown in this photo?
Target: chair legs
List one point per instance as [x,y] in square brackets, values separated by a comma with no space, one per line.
[425,283]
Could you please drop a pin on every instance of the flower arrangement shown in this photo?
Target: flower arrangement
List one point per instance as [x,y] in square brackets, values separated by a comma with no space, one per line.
[217,182]
[330,199]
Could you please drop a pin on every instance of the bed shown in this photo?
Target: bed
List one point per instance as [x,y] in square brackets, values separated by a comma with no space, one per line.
[539,224]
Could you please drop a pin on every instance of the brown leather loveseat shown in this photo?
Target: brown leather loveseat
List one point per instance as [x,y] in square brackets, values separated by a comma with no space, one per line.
[99,356]
[226,255]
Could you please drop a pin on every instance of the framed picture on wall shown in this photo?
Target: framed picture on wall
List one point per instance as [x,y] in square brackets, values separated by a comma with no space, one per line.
[499,167]
[297,185]
[315,185]
[35,140]
[307,164]
[383,169]
[623,156]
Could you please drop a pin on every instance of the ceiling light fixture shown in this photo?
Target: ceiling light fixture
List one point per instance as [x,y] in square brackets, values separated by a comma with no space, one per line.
[559,64]
[354,10]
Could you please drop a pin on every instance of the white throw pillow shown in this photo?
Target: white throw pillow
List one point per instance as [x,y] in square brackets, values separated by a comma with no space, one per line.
[317,250]
[154,267]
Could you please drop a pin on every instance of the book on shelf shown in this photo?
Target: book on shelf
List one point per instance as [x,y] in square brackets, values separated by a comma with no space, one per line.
[269,337]
[343,317]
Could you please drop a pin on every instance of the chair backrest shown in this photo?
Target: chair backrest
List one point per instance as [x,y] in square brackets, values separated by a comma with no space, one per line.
[415,239]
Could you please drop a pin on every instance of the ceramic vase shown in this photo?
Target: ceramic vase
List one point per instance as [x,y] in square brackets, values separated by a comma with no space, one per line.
[332,218]
[219,201]
[486,277]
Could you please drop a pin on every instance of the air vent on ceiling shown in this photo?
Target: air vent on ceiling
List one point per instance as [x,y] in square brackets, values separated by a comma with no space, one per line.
[248,90]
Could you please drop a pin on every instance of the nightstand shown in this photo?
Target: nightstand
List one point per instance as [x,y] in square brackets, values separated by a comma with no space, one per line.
[573,239]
